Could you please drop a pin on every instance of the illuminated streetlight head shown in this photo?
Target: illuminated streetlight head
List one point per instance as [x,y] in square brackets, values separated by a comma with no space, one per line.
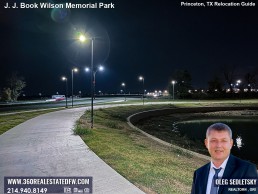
[64,78]
[101,68]
[82,38]
[75,70]
[87,69]
[123,84]
[141,78]
[173,82]
[239,81]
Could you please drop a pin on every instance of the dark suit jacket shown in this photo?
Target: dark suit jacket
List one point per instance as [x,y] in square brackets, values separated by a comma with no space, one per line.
[235,168]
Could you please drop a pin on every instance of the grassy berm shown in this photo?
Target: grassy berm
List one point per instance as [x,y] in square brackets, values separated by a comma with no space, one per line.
[152,167]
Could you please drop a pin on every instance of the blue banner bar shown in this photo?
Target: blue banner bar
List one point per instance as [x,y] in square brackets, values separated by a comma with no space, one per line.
[48,184]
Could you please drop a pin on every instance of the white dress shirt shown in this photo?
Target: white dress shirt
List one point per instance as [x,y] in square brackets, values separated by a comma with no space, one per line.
[212,173]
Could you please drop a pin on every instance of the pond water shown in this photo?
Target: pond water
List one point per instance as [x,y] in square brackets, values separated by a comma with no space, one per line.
[245,132]
[190,133]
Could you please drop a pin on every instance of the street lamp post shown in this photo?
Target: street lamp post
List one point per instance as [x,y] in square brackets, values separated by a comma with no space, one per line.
[239,89]
[83,38]
[123,85]
[65,79]
[100,68]
[91,78]
[173,83]
[93,84]
[73,70]
[141,78]
[238,82]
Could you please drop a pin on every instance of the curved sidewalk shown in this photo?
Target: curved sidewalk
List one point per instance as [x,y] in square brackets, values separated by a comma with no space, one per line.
[46,146]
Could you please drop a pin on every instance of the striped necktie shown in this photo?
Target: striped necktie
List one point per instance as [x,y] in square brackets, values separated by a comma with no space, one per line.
[214,188]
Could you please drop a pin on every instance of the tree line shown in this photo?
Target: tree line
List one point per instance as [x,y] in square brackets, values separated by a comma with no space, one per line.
[216,85]
[183,88]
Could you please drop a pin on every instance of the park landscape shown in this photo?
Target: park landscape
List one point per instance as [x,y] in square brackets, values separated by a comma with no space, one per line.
[148,164]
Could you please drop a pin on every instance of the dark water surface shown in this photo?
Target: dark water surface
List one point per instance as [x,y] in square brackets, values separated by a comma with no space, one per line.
[190,134]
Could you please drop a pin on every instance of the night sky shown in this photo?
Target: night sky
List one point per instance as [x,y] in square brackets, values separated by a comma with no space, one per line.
[137,37]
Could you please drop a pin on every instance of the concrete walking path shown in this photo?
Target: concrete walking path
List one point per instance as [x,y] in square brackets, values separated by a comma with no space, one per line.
[46,146]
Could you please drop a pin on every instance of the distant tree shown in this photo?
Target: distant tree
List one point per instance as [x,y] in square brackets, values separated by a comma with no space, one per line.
[183,84]
[6,95]
[250,79]
[229,72]
[15,83]
[215,84]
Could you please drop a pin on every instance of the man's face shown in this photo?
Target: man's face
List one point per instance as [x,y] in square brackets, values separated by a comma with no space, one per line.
[219,145]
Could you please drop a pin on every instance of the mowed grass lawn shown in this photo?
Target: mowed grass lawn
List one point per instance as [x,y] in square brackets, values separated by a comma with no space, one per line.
[9,121]
[152,167]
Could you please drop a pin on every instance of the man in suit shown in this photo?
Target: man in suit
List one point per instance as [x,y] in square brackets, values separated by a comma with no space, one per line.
[219,143]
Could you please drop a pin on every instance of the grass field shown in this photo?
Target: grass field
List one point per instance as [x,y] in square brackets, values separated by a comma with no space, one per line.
[9,121]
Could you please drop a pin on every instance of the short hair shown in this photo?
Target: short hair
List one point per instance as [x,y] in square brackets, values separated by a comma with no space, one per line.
[219,127]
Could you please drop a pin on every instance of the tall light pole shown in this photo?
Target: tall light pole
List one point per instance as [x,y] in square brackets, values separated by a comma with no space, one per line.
[141,78]
[83,38]
[173,83]
[100,68]
[123,85]
[65,79]
[238,84]
[73,70]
